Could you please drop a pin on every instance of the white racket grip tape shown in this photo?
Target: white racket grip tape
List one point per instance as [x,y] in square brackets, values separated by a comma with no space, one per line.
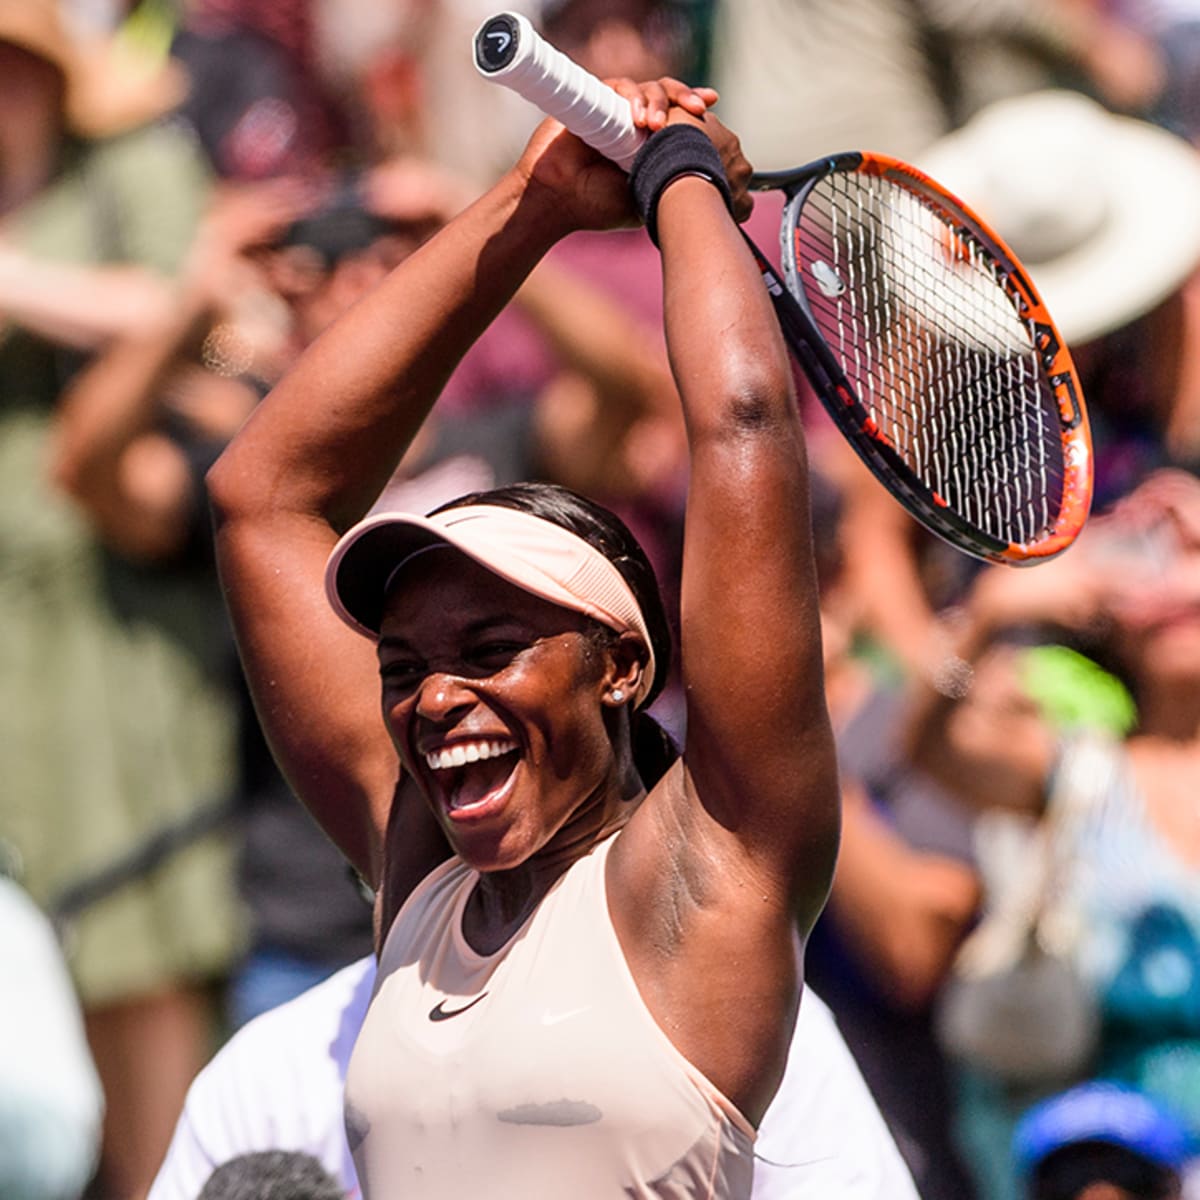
[510,51]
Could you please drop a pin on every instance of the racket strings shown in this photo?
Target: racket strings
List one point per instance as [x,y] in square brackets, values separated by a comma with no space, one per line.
[921,320]
[934,375]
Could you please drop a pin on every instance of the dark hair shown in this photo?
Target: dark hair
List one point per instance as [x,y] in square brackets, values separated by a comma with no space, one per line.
[1065,1173]
[603,530]
[272,1175]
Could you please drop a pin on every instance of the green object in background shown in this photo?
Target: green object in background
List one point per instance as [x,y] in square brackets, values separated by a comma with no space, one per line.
[1073,692]
[150,29]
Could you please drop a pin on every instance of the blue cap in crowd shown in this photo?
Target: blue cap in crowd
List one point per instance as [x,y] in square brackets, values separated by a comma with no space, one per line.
[1102,1112]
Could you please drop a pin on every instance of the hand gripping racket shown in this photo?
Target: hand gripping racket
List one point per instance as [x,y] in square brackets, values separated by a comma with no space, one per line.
[917,327]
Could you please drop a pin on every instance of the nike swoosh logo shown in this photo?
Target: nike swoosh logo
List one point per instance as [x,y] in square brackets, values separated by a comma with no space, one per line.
[441,1013]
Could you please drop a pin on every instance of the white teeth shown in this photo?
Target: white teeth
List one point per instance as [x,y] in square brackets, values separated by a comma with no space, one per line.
[462,753]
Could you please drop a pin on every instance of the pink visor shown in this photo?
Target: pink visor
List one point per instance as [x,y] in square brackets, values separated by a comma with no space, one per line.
[535,555]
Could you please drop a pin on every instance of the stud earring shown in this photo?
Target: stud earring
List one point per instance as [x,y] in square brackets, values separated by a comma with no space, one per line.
[617,695]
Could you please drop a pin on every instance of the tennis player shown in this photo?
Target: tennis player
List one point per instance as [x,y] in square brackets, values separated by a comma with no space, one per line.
[595,992]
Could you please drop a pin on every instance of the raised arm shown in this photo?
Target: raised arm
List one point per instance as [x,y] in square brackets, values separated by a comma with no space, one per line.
[760,756]
[320,448]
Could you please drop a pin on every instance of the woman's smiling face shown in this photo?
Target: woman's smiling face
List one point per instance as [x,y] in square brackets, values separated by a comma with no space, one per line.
[493,697]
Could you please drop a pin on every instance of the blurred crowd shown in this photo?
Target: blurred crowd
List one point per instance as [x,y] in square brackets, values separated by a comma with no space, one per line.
[191,190]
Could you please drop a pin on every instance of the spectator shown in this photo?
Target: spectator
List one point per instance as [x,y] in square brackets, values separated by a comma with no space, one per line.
[906,73]
[1122,903]
[50,1100]
[259,102]
[115,730]
[1099,1141]
[138,428]
[1174,26]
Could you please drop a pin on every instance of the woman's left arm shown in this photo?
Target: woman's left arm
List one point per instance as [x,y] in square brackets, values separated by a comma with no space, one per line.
[760,760]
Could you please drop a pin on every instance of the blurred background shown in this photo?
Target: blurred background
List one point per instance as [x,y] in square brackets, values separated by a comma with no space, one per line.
[191,190]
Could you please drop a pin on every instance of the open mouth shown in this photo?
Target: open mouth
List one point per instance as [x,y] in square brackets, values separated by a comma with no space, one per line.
[470,774]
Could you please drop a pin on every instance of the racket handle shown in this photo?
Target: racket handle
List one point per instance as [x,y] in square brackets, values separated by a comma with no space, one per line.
[510,51]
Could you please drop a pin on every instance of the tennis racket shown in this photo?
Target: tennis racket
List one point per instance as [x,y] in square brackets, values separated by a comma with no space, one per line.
[918,329]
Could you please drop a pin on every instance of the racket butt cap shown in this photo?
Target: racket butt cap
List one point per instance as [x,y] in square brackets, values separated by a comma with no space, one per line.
[498,42]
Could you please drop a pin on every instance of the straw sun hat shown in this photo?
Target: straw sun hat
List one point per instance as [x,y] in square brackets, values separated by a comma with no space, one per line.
[1103,210]
[109,87]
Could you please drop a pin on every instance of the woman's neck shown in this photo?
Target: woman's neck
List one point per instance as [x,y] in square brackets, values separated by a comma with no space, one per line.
[502,901]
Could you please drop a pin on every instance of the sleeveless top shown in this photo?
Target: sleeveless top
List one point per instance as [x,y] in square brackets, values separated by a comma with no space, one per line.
[535,1072]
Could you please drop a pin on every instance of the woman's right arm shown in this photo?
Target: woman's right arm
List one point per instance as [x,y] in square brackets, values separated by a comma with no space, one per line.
[320,448]
[309,462]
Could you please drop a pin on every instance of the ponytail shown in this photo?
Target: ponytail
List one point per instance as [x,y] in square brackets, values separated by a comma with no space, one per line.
[654,750]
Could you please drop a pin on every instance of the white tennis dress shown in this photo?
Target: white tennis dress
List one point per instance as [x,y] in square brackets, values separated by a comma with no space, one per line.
[535,1073]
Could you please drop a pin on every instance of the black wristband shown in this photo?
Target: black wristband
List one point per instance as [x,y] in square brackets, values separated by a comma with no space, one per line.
[666,155]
